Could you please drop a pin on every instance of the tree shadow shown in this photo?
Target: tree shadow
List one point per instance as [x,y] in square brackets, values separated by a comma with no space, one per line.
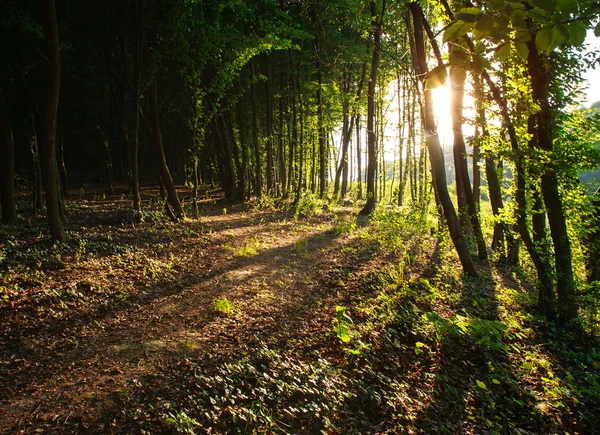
[162,326]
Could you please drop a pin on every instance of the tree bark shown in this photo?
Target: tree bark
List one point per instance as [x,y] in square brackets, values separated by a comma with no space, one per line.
[270,133]
[163,168]
[48,123]
[565,284]
[134,144]
[7,159]
[257,159]
[457,91]
[436,155]
[371,134]
[320,123]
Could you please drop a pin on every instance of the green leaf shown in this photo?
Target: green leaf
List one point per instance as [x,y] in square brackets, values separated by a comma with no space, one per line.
[522,50]
[597,30]
[544,39]
[419,344]
[502,53]
[453,31]
[436,77]
[567,6]
[496,381]
[527,366]
[480,384]
[468,15]
[547,5]
[577,33]
[483,27]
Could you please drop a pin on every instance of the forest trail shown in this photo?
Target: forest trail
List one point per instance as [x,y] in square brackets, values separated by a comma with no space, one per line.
[63,375]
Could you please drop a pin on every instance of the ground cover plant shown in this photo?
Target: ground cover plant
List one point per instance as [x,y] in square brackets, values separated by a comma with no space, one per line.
[377,331]
[299,217]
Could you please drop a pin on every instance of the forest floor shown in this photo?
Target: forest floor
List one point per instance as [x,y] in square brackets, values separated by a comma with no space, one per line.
[256,319]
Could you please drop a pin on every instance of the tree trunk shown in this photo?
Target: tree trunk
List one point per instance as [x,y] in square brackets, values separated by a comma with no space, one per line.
[457,91]
[358,158]
[257,159]
[556,217]
[436,155]
[7,159]
[165,174]
[371,138]
[320,125]
[134,144]
[270,133]
[48,123]
[281,144]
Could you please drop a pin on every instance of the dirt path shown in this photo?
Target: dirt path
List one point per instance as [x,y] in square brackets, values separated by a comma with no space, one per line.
[270,269]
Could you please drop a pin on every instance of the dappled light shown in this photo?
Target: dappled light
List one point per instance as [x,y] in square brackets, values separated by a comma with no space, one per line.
[299,217]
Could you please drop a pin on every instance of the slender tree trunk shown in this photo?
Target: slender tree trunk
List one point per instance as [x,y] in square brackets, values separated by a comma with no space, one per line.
[281,144]
[255,142]
[270,133]
[371,139]
[165,174]
[7,159]
[556,217]
[134,144]
[436,155]
[48,123]
[320,124]
[457,91]
[293,147]
[476,171]
[541,263]
[358,158]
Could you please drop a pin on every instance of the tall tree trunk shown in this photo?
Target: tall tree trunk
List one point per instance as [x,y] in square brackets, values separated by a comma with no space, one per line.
[371,139]
[436,155]
[476,170]
[540,262]
[556,217]
[457,90]
[320,124]
[48,123]
[257,159]
[358,158]
[270,132]
[134,144]
[165,174]
[7,159]
[281,144]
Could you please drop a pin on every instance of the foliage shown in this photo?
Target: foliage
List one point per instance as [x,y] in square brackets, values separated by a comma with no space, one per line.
[308,205]
[223,306]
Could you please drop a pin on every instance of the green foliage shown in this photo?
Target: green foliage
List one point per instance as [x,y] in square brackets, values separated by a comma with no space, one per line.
[341,324]
[264,392]
[308,205]
[183,423]
[223,306]
[344,225]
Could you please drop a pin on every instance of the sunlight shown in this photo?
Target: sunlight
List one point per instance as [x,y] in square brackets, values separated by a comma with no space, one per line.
[441,107]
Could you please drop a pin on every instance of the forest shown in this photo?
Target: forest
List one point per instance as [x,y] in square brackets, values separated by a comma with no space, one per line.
[299,216]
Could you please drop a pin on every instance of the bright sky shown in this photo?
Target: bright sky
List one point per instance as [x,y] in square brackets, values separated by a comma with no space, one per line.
[592,76]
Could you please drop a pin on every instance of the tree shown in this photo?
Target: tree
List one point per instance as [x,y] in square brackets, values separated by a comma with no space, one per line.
[436,155]
[377,19]
[48,123]
[7,160]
